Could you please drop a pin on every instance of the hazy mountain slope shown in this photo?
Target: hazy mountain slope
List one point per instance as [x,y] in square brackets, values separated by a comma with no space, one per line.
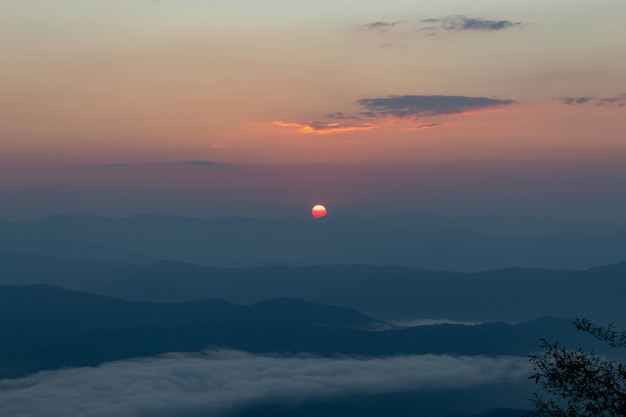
[396,292]
[410,239]
[392,293]
[71,249]
[80,274]
[44,327]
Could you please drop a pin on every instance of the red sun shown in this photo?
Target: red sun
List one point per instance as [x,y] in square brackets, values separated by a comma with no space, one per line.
[318,211]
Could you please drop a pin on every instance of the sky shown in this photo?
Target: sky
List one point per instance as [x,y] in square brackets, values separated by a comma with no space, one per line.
[265,108]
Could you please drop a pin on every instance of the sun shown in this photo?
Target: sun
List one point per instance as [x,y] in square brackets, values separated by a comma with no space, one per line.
[318,211]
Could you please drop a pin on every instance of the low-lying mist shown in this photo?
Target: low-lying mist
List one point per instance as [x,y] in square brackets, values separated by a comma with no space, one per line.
[220,383]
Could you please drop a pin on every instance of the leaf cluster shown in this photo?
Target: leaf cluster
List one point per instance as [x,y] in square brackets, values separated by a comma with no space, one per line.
[578,383]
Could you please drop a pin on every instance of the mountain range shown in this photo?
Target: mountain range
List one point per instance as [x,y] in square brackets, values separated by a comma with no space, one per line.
[388,293]
[148,299]
[45,327]
[406,239]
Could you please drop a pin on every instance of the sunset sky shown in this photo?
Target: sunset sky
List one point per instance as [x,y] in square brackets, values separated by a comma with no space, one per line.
[264,108]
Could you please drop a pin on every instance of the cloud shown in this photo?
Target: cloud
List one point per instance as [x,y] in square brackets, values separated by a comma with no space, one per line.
[322,128]
[614,101]
[343,116]
[575,100]
[427,126]
[215,383]
[380,25]
[422,106]
[408,106]
[203,163]
[463,23]
[110,165]
[149,165]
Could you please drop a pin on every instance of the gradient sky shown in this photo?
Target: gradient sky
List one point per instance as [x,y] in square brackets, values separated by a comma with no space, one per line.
[264,108]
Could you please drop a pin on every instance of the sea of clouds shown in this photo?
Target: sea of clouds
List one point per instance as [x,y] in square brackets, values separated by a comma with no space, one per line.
[216,383]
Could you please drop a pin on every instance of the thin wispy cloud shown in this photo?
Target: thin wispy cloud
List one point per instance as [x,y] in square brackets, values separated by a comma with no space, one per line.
[427,126]
[139,165]
[613,101]
[380,25]
[461,23]
[343,116]
[456,23]
[109,165]
[322,128]
[575,100]
[216,383]
[199,163]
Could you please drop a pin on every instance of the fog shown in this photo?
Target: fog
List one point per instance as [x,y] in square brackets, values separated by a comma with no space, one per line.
[215,383]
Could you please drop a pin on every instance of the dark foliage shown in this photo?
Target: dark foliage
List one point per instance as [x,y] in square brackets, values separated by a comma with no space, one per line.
[578,383]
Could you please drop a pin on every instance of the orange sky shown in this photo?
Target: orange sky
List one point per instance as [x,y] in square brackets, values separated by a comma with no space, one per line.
[157,84]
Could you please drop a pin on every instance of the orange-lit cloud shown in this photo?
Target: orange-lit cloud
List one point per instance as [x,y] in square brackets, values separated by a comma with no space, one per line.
[428,126]
[397,109]
[324,128]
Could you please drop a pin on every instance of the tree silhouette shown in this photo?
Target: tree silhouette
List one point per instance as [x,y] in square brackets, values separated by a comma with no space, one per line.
[578,383]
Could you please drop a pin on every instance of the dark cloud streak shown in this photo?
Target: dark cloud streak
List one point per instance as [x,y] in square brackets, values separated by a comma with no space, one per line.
[110,165]
[380,25]
[427,126]
[461,23]
[407,106]
[422,106]
[614,101]
[199,163]
[575,100]
[343,116]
